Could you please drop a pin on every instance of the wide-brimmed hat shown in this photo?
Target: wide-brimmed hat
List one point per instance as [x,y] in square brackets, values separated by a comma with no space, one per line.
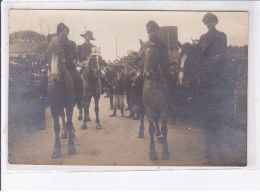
[88,33]
[209,17]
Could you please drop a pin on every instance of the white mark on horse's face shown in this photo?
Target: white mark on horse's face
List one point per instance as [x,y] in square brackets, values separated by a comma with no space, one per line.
[54,64]
[181,74]
[183,59]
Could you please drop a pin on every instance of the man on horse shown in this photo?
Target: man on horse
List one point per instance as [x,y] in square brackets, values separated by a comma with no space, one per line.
[155,94]
[214,83]
[85,49]
[154,38]
[70,55]
[91,72]
[163,55]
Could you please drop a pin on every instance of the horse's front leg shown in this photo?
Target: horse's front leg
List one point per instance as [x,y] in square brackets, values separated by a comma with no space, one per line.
[57,146]
[98,125]
[86,112]
[71,144]
[165,152]
[64,131]
[157,128]
[152,154]
[84,126]
[141,129]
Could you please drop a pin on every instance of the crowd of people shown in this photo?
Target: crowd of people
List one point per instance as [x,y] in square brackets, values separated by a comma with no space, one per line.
[28,80]
[123,77]
[29,76]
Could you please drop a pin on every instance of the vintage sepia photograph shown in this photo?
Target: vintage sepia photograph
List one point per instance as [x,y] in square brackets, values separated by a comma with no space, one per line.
[127,88]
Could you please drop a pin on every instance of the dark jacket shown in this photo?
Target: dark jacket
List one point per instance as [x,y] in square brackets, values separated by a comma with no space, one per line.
[118,86]
[70,53]
[164,59]
[214,43]
[84,51]
[213,72]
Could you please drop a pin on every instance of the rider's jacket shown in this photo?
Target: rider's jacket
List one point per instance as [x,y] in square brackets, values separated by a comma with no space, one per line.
[84,51]
[214,43]
[213,70]
[70,53]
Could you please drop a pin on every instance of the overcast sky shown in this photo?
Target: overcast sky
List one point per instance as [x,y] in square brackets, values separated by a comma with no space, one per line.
[128,26]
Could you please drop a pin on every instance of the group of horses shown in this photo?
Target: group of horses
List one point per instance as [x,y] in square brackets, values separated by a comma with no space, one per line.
[61,96]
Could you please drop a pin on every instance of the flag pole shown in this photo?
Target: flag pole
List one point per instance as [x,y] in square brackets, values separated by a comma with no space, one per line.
[116,48]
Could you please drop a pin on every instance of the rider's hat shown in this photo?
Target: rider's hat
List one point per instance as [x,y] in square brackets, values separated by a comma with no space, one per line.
[152,25]
[209,17]
[61,27]
[88,33]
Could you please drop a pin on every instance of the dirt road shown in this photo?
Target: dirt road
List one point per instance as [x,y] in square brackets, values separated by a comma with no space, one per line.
[116,144]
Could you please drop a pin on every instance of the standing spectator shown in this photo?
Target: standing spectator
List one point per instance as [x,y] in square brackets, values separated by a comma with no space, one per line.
[40,101]
[127,84]
[118,90]
[110,75]
[132,94]
[27,93]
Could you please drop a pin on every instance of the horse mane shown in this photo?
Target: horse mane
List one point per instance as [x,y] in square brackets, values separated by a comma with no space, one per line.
[144,46]
[54,45]
[87,69]
[193,62]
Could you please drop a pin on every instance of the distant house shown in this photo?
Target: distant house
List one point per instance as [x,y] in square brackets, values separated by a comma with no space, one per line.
[26,43]
[22,48]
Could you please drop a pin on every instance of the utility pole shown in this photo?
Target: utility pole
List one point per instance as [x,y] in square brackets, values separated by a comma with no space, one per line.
[116,48]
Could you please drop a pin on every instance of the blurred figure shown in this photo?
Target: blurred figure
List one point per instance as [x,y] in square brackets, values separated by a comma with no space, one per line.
[127,85]
[215,87]
[40,100]
[118,90]
[110,75]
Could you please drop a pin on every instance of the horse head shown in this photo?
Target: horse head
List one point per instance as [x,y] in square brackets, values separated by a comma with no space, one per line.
[189,60]
[94,65]
[150,61]
[55,53]
[50,37]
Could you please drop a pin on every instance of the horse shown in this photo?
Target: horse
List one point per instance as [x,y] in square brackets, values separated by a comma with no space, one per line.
[155,99]
[190,61]
[91,75]
[64,131]
[60,96]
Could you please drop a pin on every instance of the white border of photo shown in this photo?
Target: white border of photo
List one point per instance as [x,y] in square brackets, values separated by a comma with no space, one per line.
[52,177]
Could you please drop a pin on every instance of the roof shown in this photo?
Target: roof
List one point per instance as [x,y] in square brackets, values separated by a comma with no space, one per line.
[23,48]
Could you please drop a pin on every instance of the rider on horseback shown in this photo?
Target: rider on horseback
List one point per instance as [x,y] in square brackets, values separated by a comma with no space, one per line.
[164,62]
[70,55]
[154,38]
[85,49]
